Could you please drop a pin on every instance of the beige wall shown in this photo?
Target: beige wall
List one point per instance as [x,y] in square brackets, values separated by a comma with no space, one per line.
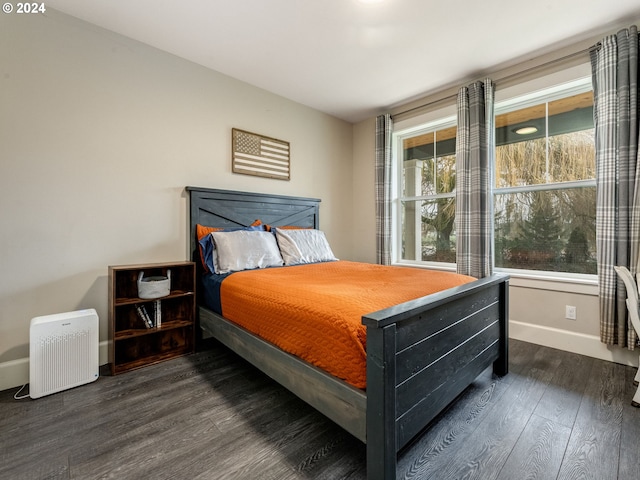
[99,135]
[364,193]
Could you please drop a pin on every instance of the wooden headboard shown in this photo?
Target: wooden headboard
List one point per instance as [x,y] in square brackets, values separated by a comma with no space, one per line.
[228,208]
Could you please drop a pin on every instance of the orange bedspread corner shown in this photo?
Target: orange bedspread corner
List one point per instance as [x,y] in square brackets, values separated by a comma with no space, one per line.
[315,311]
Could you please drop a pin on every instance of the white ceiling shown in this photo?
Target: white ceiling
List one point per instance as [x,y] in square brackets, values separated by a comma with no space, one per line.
[351,59]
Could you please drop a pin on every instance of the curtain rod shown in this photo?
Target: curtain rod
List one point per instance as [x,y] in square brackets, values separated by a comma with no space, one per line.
[505,78]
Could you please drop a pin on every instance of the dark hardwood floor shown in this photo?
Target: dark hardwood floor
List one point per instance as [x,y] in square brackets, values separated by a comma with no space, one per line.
[210,415]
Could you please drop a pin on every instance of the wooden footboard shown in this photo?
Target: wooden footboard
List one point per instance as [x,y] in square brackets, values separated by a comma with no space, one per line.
[422,354]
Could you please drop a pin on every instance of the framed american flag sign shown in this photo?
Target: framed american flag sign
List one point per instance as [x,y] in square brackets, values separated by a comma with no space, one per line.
[254,154]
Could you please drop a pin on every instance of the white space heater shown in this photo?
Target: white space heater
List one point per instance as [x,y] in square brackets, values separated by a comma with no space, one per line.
[63,351]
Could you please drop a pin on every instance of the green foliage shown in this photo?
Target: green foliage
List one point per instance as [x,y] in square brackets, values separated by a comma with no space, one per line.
[541,231]
[577,250]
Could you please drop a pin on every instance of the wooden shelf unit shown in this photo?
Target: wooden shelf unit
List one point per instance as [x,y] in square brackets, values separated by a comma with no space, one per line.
[131,344]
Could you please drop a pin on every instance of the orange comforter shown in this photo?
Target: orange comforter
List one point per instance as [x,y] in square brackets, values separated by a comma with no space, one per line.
[315,311]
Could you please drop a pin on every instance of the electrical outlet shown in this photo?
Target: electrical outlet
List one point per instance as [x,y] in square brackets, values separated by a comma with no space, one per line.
[570,312]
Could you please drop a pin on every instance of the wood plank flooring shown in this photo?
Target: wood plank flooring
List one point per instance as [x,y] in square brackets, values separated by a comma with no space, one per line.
[211,415]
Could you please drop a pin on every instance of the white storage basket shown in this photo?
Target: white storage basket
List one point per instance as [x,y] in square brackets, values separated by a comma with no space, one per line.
[155,286]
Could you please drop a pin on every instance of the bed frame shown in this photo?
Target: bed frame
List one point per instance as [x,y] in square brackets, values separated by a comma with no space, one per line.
[420,354]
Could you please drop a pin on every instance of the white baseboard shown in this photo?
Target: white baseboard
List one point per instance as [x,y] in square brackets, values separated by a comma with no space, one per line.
[588,345]
[15,373]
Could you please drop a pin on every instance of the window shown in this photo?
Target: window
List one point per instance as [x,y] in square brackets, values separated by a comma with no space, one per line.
[544,193]
[427,174]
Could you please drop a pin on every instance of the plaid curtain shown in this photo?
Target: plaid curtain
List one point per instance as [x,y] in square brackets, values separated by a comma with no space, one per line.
[384,128]
[475,151]
[614,65]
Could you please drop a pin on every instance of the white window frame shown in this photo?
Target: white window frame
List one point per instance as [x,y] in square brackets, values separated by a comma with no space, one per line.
[563,90]
[573,81]
[397,138]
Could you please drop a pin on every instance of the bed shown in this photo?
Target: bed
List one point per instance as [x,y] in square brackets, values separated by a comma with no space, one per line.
[420,355]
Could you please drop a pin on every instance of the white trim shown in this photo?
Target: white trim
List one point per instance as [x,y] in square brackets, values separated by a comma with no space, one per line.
[535,279]
[547,94]
[424,128]
[555,284]
[15,373]
[583,344]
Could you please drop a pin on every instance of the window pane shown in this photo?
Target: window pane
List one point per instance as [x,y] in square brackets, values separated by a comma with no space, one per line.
[572,139]
[521,147]
[572,156]
[522,163]
[546,143]
[551,230]
[428,230]
[429,162]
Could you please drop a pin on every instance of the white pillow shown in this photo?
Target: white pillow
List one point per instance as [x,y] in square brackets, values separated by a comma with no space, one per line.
[304,246]
[245,250]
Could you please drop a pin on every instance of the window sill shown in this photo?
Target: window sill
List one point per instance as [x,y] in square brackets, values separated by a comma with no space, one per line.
[581,284]
[556,282]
